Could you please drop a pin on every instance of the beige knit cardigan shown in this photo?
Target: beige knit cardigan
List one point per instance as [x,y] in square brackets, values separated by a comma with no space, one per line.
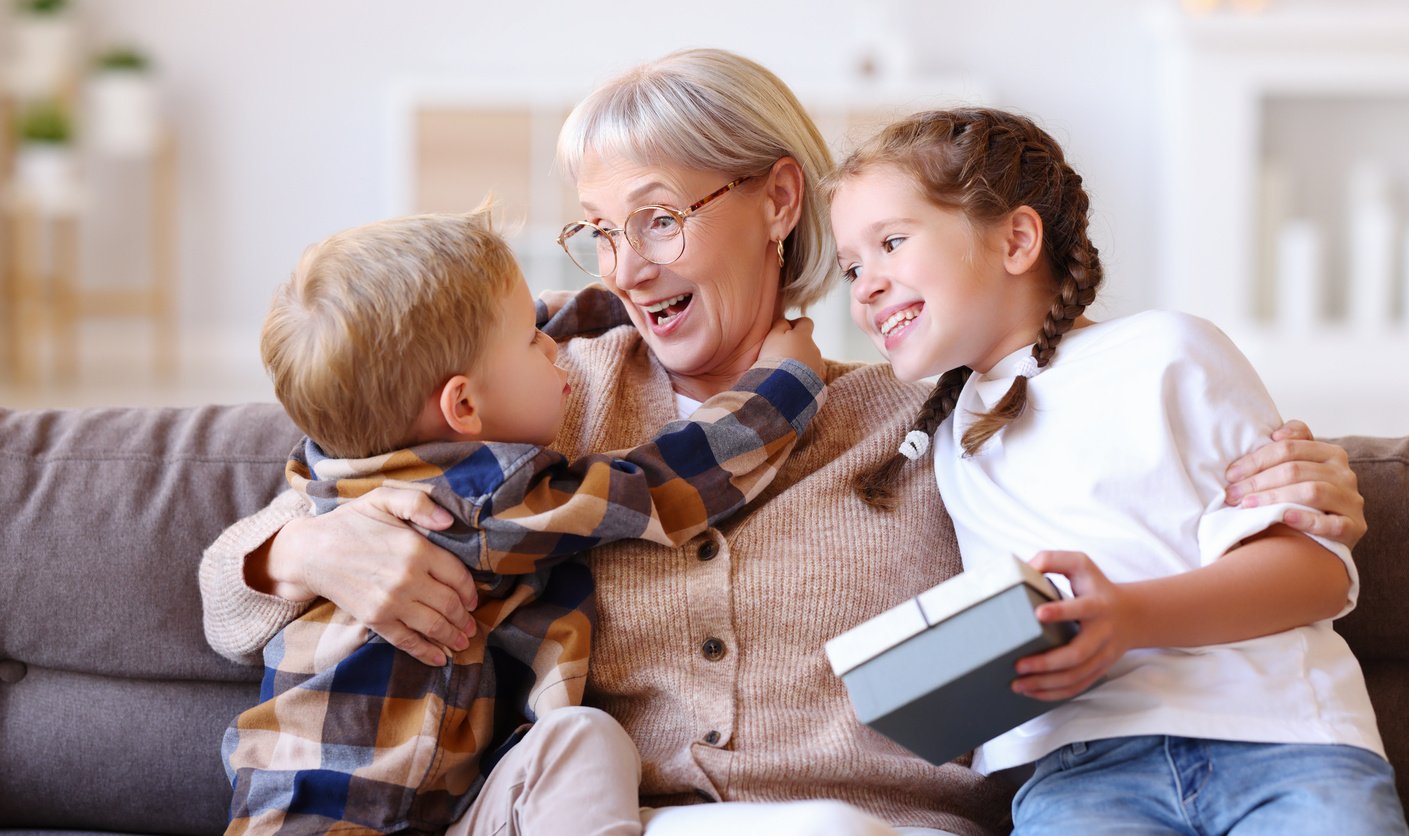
[711,654]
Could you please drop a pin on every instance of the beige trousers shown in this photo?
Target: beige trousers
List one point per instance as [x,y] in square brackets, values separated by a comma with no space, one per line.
[576,773]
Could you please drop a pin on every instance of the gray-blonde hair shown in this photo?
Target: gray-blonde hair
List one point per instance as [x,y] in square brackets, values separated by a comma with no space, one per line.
[713,110]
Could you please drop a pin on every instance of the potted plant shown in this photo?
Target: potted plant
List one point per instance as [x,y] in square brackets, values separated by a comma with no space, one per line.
[43,49]
[44,161]
[123,115]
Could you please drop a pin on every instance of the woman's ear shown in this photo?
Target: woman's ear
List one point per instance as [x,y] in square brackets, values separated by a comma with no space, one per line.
[784,190]
[1022,240]
[457,407]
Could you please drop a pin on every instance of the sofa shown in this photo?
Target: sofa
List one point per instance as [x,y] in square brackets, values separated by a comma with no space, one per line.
[111,704]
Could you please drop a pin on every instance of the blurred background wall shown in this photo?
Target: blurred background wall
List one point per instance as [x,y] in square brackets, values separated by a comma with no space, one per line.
[1212,181]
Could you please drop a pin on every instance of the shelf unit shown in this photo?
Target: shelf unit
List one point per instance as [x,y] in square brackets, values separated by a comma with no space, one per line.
[1229,79]
[46,292]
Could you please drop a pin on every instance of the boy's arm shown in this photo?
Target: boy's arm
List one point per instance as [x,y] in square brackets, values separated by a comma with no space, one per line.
[592,309]
[691,475]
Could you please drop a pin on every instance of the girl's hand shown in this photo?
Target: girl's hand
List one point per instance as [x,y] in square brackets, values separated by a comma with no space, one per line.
[1296,468]
[1104,613]
[364,557]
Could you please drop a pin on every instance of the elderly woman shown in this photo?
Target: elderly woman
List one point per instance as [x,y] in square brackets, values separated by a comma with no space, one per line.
[709,655]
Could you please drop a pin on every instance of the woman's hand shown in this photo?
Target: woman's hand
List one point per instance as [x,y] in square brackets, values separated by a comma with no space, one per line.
[366,559]
[1296,468]
[1106,618]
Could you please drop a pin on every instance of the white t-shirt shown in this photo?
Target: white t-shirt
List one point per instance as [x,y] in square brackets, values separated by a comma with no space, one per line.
[1121,455]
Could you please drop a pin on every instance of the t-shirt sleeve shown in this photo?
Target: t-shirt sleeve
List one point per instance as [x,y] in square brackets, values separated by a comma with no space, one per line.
[1219,411]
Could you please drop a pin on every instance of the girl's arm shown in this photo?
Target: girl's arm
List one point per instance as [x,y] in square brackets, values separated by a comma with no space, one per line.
[1274,581]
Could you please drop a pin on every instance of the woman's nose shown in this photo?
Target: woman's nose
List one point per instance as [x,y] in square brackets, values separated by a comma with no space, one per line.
[631,268]
[550,349]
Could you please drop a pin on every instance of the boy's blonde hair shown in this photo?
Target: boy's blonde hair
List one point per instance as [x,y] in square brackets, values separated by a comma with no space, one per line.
[712,110]
[375,318]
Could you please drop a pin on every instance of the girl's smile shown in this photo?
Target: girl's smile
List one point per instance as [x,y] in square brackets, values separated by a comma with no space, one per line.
[894,322]
[932,290]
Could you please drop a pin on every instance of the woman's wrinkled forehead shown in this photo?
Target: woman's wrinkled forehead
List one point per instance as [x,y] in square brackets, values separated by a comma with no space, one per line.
[608,185]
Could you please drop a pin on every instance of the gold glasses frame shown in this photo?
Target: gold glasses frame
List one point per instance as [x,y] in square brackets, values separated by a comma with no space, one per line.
[611,233]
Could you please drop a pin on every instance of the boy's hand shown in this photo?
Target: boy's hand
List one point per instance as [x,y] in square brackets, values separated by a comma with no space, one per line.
[554,300]
[792,339]
[1105,614]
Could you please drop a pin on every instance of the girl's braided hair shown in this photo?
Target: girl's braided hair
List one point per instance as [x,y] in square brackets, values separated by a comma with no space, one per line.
[986,163]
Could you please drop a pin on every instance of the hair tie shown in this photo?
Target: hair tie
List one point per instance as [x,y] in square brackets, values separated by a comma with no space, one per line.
[1028,367]
[915,444]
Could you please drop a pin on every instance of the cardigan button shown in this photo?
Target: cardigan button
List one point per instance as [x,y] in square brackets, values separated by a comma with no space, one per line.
[708,549]
[711,737]
[712,649]
[12,671]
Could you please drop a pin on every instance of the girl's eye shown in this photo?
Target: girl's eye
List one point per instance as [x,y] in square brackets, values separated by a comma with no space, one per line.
[892,242]
[850,273]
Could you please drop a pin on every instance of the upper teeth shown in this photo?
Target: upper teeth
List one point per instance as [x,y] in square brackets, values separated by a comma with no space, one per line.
[657,307]
[897,319]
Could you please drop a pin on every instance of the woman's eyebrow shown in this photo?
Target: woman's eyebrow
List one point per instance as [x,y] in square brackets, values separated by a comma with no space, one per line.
[631,196]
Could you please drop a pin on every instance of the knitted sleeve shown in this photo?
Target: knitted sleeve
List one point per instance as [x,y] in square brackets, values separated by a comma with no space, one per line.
[239,620]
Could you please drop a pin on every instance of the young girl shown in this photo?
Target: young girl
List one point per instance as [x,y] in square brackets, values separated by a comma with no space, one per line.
[1221,694]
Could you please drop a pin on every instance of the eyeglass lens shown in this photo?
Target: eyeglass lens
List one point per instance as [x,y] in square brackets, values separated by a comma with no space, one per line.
[656,233]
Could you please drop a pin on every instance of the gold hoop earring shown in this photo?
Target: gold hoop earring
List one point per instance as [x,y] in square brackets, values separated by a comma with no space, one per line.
[780,254]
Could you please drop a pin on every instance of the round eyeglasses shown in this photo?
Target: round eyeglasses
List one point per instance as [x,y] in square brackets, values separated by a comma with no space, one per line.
[656,233]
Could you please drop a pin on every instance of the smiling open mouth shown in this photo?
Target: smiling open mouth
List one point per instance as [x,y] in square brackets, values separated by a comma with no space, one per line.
[665,310]
[898,320]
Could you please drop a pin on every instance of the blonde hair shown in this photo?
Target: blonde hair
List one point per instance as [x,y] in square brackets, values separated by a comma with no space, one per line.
[374,318]
[986,163]
[712,110]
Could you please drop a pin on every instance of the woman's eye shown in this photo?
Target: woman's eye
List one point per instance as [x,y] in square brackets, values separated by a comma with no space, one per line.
[663,222]
[892,242]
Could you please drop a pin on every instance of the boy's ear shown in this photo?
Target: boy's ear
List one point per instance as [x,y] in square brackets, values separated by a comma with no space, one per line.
[785,188]
[1022,240]
[457,406]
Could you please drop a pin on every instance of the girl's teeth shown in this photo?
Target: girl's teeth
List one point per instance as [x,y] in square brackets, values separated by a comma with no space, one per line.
[896,319]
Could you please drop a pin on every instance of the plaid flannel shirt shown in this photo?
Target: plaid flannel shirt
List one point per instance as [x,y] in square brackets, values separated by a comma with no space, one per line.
[354,735]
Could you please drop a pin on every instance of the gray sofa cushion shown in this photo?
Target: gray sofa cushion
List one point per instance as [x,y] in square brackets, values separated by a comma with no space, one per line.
[118,707]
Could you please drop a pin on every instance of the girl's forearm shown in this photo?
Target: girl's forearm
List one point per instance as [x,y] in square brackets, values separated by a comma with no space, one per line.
[1275,581]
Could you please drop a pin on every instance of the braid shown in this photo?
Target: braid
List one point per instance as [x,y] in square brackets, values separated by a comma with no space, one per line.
[875,486]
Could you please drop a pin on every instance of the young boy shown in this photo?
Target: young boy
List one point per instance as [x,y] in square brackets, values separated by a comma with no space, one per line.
[408,351]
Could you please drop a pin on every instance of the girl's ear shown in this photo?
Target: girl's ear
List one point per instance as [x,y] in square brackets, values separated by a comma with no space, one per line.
[457,407]
[1022,240]
[784,190]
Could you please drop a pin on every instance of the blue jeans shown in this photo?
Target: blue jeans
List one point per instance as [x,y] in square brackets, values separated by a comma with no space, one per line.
[1186,785]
